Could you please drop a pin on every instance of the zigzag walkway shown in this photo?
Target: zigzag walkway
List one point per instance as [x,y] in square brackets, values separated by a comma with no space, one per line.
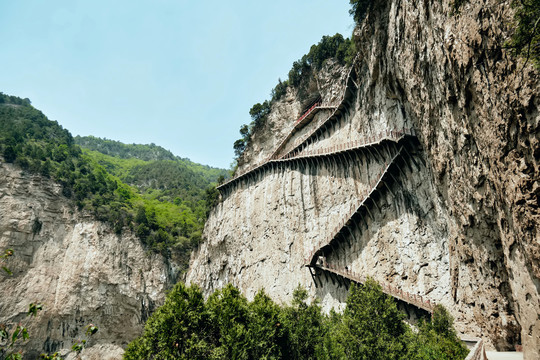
[328,244]
[345,226]
[367,142]
[303,120]
[308,115]
[349,276]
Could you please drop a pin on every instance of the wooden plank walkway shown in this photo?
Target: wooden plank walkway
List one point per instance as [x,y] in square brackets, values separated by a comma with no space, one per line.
[341,105]
[326,246]
[304,119]
[318,249]
[412,299]
[368,141]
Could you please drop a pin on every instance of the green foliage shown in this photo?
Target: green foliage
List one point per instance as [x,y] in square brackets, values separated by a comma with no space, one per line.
[212,197]
[525,41]
[305,327]
[3,259]
[359,9]
[123,157]
[228,326]
[372,323]
[54,356]
[13,100]
[280,90]
[77,347]
[342,50]
[258,113]
[15,334]
[180,329]
[436,339]
[173,192]
[124,151]
[9,154]
[239,146]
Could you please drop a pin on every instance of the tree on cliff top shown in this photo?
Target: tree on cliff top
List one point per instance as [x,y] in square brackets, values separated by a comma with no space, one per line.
[526,38]
[359,9]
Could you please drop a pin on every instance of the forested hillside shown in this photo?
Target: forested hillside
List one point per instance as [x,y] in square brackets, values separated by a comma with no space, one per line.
[142,188]
[147,152]
[152,169]
[228,326]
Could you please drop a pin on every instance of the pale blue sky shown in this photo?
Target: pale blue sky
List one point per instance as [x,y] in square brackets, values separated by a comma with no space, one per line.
[181,74]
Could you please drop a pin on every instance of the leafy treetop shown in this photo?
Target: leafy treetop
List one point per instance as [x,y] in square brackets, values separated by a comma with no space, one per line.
[228,326]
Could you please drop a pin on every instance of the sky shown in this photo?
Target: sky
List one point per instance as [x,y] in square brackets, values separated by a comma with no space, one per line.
[180,74]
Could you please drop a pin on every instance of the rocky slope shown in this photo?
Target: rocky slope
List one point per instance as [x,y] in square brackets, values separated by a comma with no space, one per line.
[76,267]
[461,229]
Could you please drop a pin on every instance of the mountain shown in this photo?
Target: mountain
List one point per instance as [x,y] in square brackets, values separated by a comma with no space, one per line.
[152,169]
[95,238]
[419,168]
[163,201]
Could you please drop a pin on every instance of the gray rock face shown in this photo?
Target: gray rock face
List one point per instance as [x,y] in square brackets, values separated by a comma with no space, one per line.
[461,229]
[76,267]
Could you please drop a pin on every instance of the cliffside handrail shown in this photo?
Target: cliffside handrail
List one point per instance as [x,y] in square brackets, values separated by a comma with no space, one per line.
[477,352]
[413,299]
[308,111]
[299,123]
[311,260]
[392,135]
[348,80]
[334,106]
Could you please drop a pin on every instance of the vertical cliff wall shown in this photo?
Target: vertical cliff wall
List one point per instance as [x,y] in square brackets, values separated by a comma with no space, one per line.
[475,109]
[457,222]
[78,268]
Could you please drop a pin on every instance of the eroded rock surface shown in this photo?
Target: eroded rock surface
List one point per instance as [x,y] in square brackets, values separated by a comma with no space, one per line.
[78,268]
[462,229]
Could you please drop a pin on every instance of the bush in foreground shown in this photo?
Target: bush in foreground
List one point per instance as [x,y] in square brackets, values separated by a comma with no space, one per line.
[228,326]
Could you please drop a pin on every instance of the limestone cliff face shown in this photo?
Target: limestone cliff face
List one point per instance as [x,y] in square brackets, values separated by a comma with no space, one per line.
[460,223]
[76,267]
[327,85]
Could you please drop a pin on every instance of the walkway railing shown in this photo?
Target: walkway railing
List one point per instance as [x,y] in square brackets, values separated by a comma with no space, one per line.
[299,123]
[309,111]
[311,260]
[413,299]
[334,106]
[341,102]
[477,352]
[392,135]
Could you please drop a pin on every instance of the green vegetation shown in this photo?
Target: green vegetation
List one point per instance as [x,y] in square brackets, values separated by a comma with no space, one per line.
[163,199]
[359,9]
[164,180]
[330,47]
[149,152]
[124,151]
[227,326]
[12,335]
[526,39]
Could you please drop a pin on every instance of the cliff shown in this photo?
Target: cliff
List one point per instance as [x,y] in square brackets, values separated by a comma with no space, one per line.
[457,219]
[78,268]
